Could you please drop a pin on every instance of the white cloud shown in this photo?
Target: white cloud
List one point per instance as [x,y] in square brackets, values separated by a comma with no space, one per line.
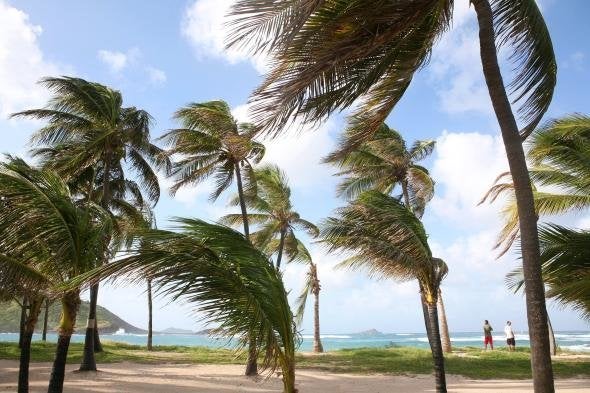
[203,25]
[118,61]
[22,62]
[465,167]
[575,61]
[156,76]
[299,150]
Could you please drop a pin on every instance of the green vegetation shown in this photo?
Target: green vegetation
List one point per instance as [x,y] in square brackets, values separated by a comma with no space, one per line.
[470,362]
[107,321]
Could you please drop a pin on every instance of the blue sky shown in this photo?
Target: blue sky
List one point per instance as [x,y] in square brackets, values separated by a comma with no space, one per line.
[162,55]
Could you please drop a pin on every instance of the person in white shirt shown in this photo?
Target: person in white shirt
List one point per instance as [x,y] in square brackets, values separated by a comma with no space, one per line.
[509,336]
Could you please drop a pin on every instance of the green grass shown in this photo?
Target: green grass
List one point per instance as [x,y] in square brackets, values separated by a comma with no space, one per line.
[468,362]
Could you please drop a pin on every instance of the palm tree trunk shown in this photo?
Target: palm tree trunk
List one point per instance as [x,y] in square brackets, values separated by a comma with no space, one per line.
[70,303]
[281,246]
[433,333]
[23,318]
[535,292]
[552,342]
[252,362]
[25,352]
[406,195]
[97,343]
[45,320]
[317,342]
[88,359]
[242,201]
[444,327]
[149,334]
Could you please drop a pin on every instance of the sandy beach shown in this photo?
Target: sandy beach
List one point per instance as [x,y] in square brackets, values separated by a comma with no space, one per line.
[178,378]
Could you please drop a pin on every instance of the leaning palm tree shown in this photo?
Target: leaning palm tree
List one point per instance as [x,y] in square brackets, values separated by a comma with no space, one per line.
[46,240]
[559,153]
[212,142]
[389,241]
[274,215]
[225,277]
[329,55]
[381,163]
[89,131]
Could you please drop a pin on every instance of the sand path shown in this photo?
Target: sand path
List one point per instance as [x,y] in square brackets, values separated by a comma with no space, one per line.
[178,378]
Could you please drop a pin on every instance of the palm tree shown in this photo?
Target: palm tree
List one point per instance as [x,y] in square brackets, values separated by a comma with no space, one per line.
[388,240]
[229,281]
[274,215]
[559,153]
[312,286]
[381,163]
[90,133]
[566,267]
[212,143]
[46,240]
[328,55]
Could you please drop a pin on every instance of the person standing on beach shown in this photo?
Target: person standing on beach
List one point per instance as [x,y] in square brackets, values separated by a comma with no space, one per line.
[487,334]
[510,336]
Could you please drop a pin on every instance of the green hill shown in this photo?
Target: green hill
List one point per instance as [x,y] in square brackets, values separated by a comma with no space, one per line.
[107,321]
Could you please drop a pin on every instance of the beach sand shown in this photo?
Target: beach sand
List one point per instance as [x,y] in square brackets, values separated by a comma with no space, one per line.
[178,378]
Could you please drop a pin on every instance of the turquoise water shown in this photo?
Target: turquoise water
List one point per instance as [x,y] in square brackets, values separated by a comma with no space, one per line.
[575,341]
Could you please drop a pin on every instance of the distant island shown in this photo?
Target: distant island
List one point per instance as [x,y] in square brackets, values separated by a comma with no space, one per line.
[369,333]
[173,330]
[107,321]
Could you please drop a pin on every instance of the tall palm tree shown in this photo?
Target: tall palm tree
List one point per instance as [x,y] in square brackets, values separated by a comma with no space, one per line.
[90,132]
[274,215]
[381,163]
[225,277]
[311,286]
[46,240]
[559,153]
[212,142]
[328,55]
[388,240]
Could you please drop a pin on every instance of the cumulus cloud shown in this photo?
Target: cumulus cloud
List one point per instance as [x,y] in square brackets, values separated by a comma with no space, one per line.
[203,26]
[22,62]
[117,61]
[465,166]
[156,76]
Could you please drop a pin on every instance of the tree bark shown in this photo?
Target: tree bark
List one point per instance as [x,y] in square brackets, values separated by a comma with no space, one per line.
[406,195]
[97,343]
[252,362]
[45,320]
[149,334]
[70,303]
[25,352]
[56,381]
[433,333]
[281,246]
[535,292]
[444,327]
[552,342]
[317,342]
[88,359]
[23,318]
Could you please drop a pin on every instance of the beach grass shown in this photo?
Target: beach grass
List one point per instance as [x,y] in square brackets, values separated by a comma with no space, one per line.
[468,362]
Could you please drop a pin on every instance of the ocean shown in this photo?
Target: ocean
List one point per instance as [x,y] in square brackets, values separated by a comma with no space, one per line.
[574,341]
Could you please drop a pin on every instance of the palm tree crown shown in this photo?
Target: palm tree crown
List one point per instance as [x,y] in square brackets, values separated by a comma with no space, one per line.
[211,143]
[381,163]
[274,215]
[559,153]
